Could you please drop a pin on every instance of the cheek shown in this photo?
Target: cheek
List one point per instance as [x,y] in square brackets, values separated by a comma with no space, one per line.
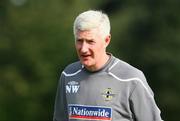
[100,48]
[97,50]
[77,49]
[77,46]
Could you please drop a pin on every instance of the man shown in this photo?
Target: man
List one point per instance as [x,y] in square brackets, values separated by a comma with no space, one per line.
[100,86]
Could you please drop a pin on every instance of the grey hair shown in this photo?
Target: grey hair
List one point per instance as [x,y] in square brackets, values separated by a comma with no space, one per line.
[92,19]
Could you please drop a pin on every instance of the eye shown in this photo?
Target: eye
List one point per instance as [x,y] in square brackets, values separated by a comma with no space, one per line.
[91,41]
[79,40]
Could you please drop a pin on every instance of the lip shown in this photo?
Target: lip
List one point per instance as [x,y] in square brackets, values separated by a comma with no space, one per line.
[85,56]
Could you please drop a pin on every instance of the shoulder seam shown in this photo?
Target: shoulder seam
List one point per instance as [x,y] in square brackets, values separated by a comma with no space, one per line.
[131,79]
[72,73]
[117,61]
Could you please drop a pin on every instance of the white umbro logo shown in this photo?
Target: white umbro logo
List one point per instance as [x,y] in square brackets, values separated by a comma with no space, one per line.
[72,87]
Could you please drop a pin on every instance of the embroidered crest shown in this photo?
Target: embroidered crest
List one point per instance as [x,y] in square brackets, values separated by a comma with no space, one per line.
[108,94]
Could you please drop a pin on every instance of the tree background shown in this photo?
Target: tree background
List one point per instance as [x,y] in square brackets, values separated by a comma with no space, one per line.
[36,43]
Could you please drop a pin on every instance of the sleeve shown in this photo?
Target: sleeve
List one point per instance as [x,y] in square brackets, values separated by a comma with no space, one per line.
[143,105]
[60,108]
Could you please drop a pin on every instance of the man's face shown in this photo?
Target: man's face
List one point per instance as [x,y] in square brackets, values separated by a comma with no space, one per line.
[91,47]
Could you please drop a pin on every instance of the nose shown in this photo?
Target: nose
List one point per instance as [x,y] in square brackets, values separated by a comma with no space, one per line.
[84,47]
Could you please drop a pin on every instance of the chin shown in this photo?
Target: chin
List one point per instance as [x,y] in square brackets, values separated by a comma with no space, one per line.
[87,64]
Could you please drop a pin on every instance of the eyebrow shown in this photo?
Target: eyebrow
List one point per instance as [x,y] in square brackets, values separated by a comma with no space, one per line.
[84,39]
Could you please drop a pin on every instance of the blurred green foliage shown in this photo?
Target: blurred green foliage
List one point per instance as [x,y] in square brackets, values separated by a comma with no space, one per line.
[36,43]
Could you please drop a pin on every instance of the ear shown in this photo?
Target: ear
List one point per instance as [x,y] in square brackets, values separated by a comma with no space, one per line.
[107,40]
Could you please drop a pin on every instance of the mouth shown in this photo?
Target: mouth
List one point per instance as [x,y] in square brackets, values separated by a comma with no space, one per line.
[85,56]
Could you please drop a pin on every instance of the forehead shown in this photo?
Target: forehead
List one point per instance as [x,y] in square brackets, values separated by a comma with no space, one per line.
[89,34]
